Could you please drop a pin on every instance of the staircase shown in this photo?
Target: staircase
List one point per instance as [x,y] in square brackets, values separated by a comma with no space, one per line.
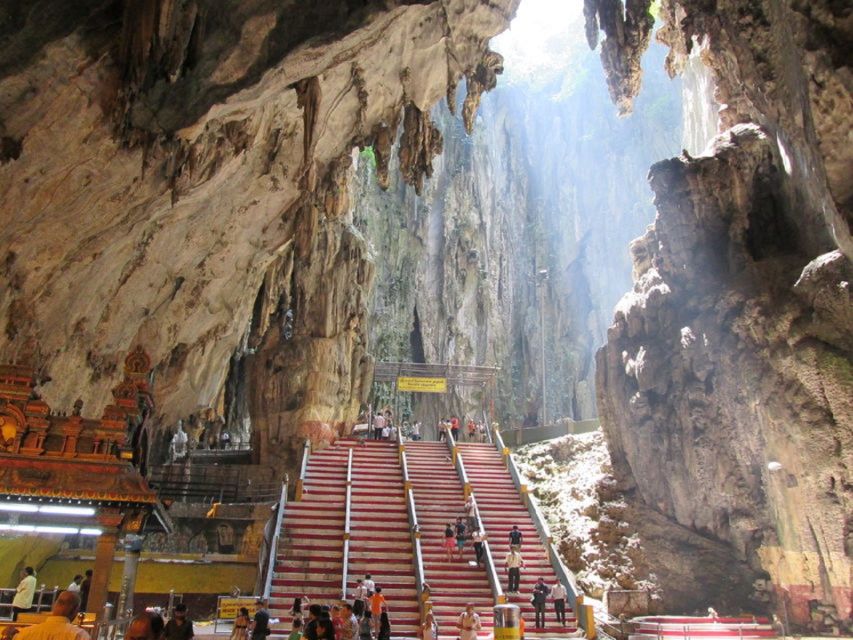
[380,536]
[439,499]
[310,551]
[501,507]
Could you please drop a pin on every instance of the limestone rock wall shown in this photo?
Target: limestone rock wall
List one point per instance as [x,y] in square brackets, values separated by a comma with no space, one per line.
[163,162]
[551,178]
[724,387]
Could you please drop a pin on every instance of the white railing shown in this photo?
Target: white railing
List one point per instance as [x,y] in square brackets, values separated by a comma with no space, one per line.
[347,518]
[273,550]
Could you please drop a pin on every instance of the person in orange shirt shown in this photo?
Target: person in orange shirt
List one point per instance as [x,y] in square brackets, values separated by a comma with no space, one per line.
[377,605]
[521,628]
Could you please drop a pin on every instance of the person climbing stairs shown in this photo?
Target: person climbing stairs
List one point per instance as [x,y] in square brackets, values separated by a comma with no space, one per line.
[502,506]
[380,535]
[439,500]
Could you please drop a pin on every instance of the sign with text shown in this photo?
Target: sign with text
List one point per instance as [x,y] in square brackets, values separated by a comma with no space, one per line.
[422,385]
[229,608]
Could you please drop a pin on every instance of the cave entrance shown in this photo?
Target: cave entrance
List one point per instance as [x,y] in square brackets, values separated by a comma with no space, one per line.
[438,386]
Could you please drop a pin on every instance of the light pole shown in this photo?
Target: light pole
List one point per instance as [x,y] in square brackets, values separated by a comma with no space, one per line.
[541,279]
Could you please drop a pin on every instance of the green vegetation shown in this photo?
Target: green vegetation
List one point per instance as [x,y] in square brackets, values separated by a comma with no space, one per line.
[655,9]
[368,155]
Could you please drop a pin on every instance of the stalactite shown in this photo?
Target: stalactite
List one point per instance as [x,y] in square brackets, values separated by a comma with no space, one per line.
[420,142]
[627,40]
[483,79]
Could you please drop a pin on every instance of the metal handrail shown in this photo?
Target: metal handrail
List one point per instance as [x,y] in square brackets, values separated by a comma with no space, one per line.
[279,517]
[303,470]
[417,557]
[415,529]
[564,574]
[491,570]
[344,569]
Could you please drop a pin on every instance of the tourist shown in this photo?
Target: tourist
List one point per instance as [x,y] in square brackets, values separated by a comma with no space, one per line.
[469,623]
[472,430]
[325,628]
[515,537]
[74,587]
[179,627]
[146,626]
[261,621]
[298,605]
[429,627]
[481,430]
[520,627]
[454,428]
[460,537]
[478,546]
[350,626]
[442,433]
[384,627]
[337,622]
[540,597]
[449,542]
[85,586]
[58,625]
[514,564]
[359,597]
[369,585]
[416,431]
[295,630]
[378,425]
[24,593]
[311,631]
[377,606]
[241,625]
[470,512]
[224,440]
[558,594]
[386,432]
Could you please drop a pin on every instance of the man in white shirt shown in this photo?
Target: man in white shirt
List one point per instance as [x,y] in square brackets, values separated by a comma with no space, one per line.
[58,625]
[74,587]
[469,623]
[25,592]
[378,425]
[514,563]
[369,585]
[558,593]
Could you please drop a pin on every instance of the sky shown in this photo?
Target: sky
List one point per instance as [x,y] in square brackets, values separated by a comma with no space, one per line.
[543,38]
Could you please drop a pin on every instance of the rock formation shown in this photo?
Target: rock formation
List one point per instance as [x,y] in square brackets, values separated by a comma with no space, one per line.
[173,175]
[725,384]
[550,178]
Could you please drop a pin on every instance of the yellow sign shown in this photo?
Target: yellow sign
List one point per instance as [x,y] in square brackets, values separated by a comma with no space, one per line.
[229,608]
[422,385]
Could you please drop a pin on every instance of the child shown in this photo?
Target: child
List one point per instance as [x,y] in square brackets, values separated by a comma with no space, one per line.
[241,624]
[296,632]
